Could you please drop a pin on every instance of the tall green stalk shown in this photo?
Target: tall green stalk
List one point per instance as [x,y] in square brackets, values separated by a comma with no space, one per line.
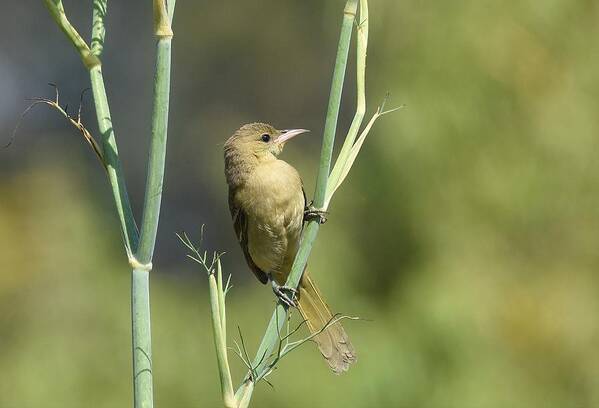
[219,328]
[109,146]
[113,163]
[361,46]
[140,285]
[139,247]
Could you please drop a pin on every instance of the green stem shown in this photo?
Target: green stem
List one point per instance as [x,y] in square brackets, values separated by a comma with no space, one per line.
[57,11]
[98,29]
[140,313]
[271,337]
[113,163]
[353,143]
[142,339]
[90,58]
[361,46]
[140,295]
[330,126]
[157,156]
[217,305]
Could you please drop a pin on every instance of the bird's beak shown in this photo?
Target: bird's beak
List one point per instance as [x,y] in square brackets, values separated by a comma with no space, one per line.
[289,134]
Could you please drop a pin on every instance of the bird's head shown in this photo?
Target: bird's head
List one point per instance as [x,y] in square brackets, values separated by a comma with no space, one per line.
[261,140]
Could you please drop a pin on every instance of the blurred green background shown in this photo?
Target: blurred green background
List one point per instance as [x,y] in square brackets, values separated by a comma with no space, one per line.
[467,234]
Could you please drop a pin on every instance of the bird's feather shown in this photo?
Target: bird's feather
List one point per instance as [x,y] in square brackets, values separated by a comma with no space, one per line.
[240,225]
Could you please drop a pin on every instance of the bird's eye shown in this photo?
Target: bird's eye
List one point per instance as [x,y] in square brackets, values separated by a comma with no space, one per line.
[266,138]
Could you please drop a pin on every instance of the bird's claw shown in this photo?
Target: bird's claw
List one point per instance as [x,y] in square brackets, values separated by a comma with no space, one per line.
[312,213]
[286,294]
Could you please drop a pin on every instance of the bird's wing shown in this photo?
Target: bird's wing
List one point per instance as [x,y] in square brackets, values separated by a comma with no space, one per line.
[240,224]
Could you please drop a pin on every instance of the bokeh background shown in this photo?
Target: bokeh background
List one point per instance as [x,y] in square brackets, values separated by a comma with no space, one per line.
[467,234]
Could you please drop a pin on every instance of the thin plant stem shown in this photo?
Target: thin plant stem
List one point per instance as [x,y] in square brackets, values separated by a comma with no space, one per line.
[220,339]
[361,48]
[353,143]
[113,163]
[217,313]
[140,313]
[141,339]
[91,60]
[98,29]
[114,169]
[57,11]
[330,126]
[157,155]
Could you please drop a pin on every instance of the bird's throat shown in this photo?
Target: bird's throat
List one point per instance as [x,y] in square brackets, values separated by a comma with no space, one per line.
[240,164]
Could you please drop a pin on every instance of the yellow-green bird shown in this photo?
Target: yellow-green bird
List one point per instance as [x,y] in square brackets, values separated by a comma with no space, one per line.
[267,203]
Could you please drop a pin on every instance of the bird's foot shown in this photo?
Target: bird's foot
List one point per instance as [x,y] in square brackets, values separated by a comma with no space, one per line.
[312,213]
[286,294]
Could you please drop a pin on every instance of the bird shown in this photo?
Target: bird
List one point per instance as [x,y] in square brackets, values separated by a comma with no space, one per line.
[268,205]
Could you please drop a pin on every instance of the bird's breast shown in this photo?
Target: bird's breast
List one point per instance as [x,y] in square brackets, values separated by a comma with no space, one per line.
[273,201]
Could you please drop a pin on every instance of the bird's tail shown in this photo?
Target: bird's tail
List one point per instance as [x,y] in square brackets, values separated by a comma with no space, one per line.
[333,342]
